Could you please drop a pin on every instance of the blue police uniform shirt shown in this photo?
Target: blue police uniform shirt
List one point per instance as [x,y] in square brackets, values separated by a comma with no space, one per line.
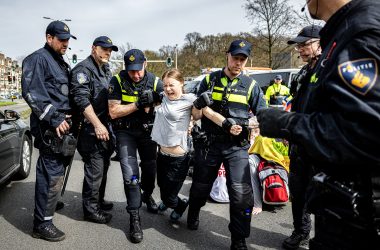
[45,88]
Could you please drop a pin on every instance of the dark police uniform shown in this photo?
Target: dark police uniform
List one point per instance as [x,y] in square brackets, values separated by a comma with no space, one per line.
[45,88]
[89,85]
[300,173]
[233,99]
[132,134]
[339,131]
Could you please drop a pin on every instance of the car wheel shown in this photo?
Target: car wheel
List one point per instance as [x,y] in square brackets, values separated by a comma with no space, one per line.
[26,157]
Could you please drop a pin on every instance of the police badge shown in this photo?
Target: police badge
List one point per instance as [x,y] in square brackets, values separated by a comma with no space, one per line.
[82,78]
[360,75]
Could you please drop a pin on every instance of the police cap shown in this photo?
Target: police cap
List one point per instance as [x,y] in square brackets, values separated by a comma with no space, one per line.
[307,33]
[278,77]
[240,47]
[59,29]
[105,42]
[134,59]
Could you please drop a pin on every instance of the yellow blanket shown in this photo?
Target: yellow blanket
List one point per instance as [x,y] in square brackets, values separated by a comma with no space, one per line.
[271,150]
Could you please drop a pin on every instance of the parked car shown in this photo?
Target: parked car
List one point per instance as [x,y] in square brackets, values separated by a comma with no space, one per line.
[15,146]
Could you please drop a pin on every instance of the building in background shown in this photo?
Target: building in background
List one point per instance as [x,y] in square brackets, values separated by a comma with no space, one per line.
[10,76]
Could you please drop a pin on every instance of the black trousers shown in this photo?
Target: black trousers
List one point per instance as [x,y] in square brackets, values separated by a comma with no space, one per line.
[299,179]
[235,160]
[129,141]
[50,170]
[171,173]
[96,160]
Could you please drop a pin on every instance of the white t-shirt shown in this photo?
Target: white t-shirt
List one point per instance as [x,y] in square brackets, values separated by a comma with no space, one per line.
[172,121]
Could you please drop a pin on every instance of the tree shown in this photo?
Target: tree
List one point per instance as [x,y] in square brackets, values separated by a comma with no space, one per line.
[192,41]
[274,22]
[116,67]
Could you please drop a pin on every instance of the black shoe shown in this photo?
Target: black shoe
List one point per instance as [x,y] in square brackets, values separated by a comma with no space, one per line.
[100,217]
[295,240]
[193,219]
[162,208]
[179,210]
[150,203]
[238,244]
[48,232]
[105,205]
[59,205]
[115,158]
[135,233]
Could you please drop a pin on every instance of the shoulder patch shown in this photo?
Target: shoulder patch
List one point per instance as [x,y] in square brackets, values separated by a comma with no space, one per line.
[82,78]
[360,75]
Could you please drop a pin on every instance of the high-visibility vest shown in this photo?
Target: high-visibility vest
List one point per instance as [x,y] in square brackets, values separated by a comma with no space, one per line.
[236,95]
[133,95]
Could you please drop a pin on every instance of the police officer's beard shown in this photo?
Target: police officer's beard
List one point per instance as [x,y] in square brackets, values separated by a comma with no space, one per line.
[230,70]
[103,59]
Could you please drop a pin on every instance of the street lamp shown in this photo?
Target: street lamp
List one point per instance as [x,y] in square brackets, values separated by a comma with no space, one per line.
[176,55]
[49,18]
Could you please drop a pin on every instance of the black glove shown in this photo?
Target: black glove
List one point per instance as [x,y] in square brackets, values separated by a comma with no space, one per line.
[145,99]
[205,99]
[157,97]
[227,124]
[274,123]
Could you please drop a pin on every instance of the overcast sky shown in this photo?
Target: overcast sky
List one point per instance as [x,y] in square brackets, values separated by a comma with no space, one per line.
[146,24]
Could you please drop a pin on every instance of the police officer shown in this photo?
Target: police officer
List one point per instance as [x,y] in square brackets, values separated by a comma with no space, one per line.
[232,94]
[337,129]
[89,88]
[45,82]
[131,96]
[277,94]
[307,44]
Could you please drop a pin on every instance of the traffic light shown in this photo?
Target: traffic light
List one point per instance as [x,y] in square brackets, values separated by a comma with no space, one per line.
[169,62]
[75,59]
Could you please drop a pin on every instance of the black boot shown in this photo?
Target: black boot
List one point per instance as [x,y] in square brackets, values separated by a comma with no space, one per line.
[238,244]
[150,203]
[135,232]
[105,205]
[295,240]
[193,218]
[99,216]
[48,232]
[179,210]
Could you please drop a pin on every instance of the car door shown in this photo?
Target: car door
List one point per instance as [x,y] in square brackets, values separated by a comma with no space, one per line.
[9,144]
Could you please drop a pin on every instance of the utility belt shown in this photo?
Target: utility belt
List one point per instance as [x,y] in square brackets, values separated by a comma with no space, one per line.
[55,145]
[344,201]
[132,124]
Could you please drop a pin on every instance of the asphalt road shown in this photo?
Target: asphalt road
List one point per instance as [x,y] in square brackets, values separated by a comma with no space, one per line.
[268,229]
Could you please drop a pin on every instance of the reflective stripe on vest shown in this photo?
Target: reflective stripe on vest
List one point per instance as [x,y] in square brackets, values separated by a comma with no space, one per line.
[217,93]
[131,98]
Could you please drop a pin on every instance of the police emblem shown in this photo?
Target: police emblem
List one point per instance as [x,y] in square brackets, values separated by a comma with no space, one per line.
[242,44]
[82,78]
[131,58]
[360,75]
[109,41]
[66,28]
